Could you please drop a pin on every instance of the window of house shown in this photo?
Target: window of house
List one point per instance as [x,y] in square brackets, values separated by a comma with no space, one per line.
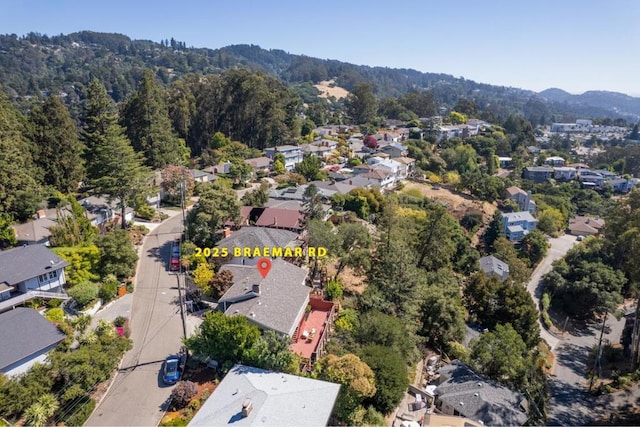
[53,275]
[42,278]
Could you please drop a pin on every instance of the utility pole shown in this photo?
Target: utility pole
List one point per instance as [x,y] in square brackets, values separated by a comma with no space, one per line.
[182,272]
[635,337]
[597,365]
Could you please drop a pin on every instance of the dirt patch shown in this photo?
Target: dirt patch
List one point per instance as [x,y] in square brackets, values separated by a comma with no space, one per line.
[351,282]
[458,204]
[327,88]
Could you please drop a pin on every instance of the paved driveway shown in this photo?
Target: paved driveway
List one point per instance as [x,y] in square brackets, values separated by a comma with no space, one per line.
[137,396]
[558,248]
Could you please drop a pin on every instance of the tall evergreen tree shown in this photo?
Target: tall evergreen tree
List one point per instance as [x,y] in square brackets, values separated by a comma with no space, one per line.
[114,168]
[146,118]
[19,190]
[58,149]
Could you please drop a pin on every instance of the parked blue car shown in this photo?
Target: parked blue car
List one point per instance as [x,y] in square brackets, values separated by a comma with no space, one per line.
[171,370]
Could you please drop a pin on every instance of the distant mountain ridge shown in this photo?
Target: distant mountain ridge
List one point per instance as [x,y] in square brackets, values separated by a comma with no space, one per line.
[38,63]
[613,101]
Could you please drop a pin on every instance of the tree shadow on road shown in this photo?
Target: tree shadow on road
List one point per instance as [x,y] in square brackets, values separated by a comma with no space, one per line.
[574,357]
[573,405]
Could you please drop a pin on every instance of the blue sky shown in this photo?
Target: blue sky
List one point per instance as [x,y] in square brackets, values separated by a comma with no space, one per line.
[537,44]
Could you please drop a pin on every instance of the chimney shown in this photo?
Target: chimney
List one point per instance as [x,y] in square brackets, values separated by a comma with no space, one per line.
[275,221]
[41,214]
[247,407]
[227,232]
[255,288]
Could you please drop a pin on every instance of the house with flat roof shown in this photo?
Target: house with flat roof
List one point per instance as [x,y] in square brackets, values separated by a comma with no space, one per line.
[27,270]
[26,338]
[277,301]
[555,161]
[516,225]
[537,173]
[249,396]
[492,266]
[462,392]
[565,173]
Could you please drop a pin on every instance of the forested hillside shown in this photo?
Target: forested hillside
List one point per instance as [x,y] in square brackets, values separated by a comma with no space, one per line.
[34,64]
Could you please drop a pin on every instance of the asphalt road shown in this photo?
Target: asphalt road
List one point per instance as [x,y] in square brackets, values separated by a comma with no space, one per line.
[137,395]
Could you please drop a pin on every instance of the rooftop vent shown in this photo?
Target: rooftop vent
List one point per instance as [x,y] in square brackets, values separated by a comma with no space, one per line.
[255,288]
[247,407]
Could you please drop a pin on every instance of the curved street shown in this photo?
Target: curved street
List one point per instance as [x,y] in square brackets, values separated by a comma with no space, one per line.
[137,395]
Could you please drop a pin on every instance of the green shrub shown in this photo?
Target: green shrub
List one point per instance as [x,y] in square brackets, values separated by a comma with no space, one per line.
[146,212]
[81,322]
[120,321]
[109,288]
[53,303]
[194,405]
[84,293]
[55,315]
[173,422]
[130,287]
[457,351]
[546,320]
[546,301]
[334,290]
[81,414]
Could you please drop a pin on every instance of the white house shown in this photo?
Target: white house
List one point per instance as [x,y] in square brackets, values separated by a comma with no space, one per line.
[292,155]
[565,173]
[555,161]
[29,268]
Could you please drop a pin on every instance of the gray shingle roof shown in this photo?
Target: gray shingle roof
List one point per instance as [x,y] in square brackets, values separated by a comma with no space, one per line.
[492,265]
[24,332]
[480,398]
[253,237]
[26,262]
[277,399]
[282,299]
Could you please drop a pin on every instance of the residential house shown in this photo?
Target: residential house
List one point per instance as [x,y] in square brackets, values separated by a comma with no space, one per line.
[516,225]
[585,226]
[276,302]
[565,173]
[537,173]
[329,188]
[439,420]
[202,175]
[260,165]
[375,178]
[292,155]
[492,266]
[505,162]
[462,392]
[590,178]
[534,150]
[407,166]
[522,198]
[26,270]
[360,169]
[279,218]
[555,161]
[317,150]
[387,165]
[249,396]
[256,237]
[100,210]
[26,338]
[37,231]
[221,168]
[623,185]
[395,149]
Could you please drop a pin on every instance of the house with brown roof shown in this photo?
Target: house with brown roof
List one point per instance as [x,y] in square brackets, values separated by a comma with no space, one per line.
[522,198]
[585,226]
[259,164]
[375,178]
[280,218]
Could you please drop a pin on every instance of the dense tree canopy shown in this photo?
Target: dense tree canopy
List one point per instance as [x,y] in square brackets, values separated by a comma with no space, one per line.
[59,151]
[215,207]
